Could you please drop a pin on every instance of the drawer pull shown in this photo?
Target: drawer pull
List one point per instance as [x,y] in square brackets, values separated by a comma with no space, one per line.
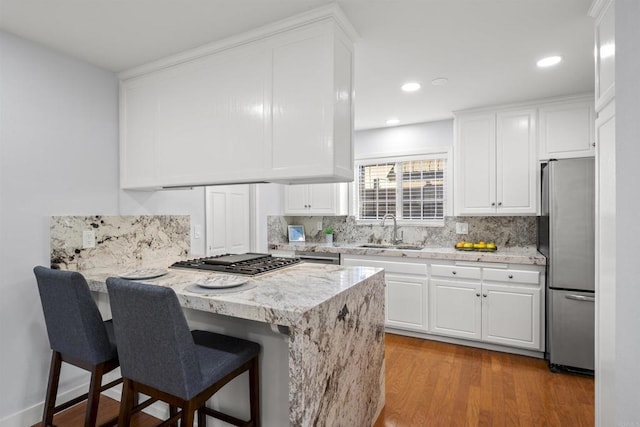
[453,272]
[478,294]
[484,295]
[511,276]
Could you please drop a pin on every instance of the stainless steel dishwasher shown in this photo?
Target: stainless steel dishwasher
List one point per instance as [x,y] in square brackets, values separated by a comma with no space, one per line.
[319,257]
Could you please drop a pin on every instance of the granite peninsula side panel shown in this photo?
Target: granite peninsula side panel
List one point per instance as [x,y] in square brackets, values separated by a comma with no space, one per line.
[336,355]
[121,241]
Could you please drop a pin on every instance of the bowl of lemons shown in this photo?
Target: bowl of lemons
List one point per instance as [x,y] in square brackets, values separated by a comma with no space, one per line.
[480,246]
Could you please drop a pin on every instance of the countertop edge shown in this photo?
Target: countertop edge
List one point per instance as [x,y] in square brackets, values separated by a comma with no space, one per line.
[514,255]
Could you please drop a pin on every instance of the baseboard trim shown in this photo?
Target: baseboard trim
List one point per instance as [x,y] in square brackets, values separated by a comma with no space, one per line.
[33,414]
[468,343]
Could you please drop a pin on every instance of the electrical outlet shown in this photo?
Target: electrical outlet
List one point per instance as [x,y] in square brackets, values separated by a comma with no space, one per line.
[319,226]
[88,239]
[462,228]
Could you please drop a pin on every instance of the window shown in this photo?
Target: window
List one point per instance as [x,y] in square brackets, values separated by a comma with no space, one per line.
[411,189]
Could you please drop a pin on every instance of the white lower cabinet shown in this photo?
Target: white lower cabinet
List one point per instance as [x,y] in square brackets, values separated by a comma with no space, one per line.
[406,301]
[511,315]
[406,290]
[498,306]
[455,309]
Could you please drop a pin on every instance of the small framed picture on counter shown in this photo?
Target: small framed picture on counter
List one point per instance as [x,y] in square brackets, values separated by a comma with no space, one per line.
[296,233]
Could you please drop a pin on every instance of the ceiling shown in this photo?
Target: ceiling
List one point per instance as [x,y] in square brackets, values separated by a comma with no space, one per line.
[486,48]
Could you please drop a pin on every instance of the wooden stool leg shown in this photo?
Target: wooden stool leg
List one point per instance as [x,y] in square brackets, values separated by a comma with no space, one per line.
[254,391]
[187,416]
[202,418]
[126,405]
[172,411]
[52,389]
[93,399]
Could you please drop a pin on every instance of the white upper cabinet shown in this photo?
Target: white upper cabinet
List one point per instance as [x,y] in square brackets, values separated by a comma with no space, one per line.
[316,199]
[272,105]
[312,118]
[605,50]
[495,163]
[566,129]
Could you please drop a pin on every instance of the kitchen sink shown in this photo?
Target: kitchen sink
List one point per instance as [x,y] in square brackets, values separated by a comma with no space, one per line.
[409,247]
[400,247]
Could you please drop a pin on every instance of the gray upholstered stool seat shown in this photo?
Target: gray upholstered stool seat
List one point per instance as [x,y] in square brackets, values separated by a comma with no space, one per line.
[161,358]
[78,336]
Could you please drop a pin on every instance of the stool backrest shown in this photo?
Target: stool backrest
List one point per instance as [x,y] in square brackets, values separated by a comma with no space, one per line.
[155,345]
[74,324]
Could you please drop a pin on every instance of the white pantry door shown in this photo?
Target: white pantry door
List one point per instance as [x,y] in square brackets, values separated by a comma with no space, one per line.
[228,213]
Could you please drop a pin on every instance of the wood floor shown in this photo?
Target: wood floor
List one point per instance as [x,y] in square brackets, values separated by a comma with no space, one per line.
[436,384]
[74,416]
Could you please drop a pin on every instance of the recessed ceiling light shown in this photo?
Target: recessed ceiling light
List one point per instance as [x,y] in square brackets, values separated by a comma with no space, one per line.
[440,81]
[411,87]
[549,61]
[391,122]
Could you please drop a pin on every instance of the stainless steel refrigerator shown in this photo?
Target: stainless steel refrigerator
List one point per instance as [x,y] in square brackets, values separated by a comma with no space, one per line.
[566,230]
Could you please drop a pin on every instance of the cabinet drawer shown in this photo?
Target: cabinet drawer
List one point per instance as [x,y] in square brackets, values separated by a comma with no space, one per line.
[455,272]
[389,266]
[512,276]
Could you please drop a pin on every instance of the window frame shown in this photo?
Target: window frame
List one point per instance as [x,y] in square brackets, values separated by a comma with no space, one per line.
[433,153]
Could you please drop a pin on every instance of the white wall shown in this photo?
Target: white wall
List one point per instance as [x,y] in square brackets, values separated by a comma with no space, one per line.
[409,138]
[627,372]
[58,156]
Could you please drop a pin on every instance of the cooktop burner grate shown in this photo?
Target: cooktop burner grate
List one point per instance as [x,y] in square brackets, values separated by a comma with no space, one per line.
[250,264]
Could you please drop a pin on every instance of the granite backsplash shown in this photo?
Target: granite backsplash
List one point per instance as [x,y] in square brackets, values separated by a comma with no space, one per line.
[121,242]
[505,231]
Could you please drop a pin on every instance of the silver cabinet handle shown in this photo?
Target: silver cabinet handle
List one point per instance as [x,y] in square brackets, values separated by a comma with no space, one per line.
[580,298]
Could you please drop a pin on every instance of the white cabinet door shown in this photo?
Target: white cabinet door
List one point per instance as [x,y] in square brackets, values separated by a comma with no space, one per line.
[227,212]
[605,55]
[211,118]
[312,118]
[455,309]
[516,165]
[566,130]
[475,164]
[138,129]
[495,163]
[316,199]
[406,302]
[296,199]
[511,315]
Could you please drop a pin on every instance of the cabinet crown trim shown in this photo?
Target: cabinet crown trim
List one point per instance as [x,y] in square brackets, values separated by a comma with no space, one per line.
[534,103]
[331,11]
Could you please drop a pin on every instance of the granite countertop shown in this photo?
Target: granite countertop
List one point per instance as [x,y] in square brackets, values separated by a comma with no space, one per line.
[512,255]
[280,297]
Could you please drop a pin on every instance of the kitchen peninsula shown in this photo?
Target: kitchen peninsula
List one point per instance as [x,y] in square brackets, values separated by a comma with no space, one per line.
[333,319]
[321,327]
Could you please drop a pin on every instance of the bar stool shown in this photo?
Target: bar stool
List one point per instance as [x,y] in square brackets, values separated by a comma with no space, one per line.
[161,358]
[78,336]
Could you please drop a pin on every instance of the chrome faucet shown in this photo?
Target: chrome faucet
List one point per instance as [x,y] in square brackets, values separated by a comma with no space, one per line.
[394,237]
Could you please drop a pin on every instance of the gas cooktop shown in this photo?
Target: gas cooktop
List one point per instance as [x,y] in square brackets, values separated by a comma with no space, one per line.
[249,264]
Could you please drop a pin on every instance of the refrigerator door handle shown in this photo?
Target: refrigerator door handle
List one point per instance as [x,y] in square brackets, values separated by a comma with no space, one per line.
[580,298]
